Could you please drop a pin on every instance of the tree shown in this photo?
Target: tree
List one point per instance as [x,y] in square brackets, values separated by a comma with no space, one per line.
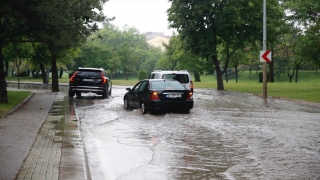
[236,60]
[13,24]
[18,53]
[305,15]
[179,58]
[123,49]
[60,25]
[204,25]
[65,29]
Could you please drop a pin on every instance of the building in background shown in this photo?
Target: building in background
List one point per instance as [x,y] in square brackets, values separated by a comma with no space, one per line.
[157,39]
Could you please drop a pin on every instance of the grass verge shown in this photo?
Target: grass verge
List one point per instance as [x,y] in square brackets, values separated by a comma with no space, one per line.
[14,99]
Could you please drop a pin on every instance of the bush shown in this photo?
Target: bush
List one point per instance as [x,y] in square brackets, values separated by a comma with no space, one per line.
[142,74]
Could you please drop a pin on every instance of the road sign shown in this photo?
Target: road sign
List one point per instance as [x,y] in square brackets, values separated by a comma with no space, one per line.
[265,56]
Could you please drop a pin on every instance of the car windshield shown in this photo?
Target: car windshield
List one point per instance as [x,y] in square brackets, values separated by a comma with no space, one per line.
[161,85]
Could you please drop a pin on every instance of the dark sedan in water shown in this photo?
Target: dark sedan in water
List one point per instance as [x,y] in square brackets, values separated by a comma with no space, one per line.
[158,94]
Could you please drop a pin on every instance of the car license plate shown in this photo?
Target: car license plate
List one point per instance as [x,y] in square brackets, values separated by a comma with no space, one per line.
[174,96]
[88,80]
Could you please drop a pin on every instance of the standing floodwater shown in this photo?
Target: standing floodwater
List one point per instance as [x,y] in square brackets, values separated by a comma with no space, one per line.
[226,136]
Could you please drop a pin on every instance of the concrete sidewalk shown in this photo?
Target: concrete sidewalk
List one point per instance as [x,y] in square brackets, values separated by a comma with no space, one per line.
[41,140]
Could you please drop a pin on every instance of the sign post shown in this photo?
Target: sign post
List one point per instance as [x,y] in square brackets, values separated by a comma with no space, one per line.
[264,88]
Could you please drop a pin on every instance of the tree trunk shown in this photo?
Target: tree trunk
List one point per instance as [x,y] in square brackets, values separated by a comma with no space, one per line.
[44,74]
[54,71]
[250,73]
[236,73]
[6,68]
[3,83]
[297,74]
[227,79]
[196,76]
[61,72]
[219,73]
[290,76]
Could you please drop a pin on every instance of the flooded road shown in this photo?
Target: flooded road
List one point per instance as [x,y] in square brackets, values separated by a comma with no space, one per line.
[226,136]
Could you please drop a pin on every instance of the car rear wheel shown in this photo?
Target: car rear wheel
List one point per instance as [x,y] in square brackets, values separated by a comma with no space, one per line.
[143,108]
[71,93]
[105,94]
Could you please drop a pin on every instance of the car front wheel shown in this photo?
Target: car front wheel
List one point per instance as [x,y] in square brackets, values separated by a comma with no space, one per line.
[126,103]
[110,91]
[143,108]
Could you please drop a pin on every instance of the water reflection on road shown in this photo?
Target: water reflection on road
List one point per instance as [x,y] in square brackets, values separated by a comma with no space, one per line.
[226,136]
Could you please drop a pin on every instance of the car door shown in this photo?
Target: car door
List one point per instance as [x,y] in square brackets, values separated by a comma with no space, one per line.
[140,93]
[132,95]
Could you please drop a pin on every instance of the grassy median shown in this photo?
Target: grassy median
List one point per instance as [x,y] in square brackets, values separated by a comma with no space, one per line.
[306,89]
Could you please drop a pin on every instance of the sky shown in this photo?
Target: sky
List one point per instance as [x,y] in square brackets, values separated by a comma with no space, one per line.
[145,15]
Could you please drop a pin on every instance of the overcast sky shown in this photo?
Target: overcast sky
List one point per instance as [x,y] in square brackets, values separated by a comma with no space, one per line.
[145,15]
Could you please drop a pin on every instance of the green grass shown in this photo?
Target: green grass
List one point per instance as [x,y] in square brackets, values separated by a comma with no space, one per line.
[14,99]
[307,88]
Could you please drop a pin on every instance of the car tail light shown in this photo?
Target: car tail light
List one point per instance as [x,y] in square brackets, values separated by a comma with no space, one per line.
[104,80]
[190,95]
[191,86]
[73,77]
[154,96]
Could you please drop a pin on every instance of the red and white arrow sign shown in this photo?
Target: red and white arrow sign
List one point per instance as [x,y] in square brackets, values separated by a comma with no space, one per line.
[265,56]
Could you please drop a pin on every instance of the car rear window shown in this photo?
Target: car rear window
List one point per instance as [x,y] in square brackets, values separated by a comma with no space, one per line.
[183,78]
[160,85]
[89,73]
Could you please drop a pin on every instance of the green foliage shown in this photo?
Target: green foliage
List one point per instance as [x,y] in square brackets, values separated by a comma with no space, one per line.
[142,74]
[205,25]
[123,50]
[59,25]
[178,58]
[304,12]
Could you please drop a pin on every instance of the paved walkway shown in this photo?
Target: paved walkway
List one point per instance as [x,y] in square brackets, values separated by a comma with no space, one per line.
[41,140]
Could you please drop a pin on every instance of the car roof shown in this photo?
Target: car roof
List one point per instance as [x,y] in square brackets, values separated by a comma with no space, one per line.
[168,71]
[152,80]
[91,69]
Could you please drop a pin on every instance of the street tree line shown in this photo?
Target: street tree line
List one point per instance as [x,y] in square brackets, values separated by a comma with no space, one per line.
[55,28]
[229,33]
[123,50]
[212,37]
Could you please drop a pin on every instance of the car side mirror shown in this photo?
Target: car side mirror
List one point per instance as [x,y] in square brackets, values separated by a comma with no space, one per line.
[128,89]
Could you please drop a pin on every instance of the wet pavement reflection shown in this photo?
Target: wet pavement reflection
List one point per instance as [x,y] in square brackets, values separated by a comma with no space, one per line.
[226,136]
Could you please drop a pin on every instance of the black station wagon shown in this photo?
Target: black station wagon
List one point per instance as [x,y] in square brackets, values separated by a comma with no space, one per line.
[93,80]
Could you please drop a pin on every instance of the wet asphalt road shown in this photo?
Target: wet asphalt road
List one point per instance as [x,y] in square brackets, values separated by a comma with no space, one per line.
[226,136]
